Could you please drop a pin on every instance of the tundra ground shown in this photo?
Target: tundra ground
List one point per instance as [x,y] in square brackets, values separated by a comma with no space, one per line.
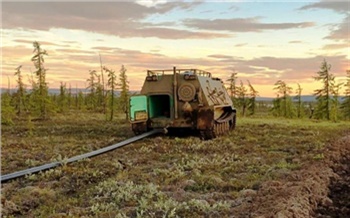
[265,167]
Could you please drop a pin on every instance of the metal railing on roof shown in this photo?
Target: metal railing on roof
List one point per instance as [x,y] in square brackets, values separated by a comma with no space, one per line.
[179,71]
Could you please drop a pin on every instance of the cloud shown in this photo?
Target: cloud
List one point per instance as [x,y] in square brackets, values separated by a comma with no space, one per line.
[105,48]
[168,33]
[150,3]
[207,11]
[124,19]
[298,69]
[340,31]
[225,58]
[338,6]
[295,42]
[241,44]
[336,46]
[67,51]
[220,56]
[82,10]
[172,5]
[30,42]
[265,70]
[72,66]
[241,25]
[233,8]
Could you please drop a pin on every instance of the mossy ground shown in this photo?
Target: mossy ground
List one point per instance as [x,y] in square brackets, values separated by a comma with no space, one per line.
[159,176]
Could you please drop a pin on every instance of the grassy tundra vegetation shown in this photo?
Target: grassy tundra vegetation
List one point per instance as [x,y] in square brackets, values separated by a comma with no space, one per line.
[162,176]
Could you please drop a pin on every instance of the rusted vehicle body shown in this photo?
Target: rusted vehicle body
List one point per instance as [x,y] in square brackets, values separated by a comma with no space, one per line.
[183,98]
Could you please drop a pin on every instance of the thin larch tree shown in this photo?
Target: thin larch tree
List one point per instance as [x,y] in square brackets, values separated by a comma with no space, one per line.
[112,83]
[242,97]
[298,92]
[40,73]
[123,86]
[345,106]
[232,84]
[323,95]
[92,87]
[62,98]
[284,91]
[335,106]
[253,93]
[21,92]
[104,92]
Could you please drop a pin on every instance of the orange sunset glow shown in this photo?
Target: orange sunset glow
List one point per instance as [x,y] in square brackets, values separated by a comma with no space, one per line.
[262,41]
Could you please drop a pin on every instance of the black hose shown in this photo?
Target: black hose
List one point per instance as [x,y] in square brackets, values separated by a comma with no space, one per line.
[11,176]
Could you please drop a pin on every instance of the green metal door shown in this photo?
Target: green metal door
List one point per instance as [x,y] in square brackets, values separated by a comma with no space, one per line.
[138,108]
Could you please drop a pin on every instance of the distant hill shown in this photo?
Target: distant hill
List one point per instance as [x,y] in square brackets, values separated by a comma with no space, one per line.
[305,98]
[264,98]
[57,91]
[73,90]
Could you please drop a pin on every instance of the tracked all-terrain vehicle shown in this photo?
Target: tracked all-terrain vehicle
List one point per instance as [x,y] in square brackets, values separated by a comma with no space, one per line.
[180,99]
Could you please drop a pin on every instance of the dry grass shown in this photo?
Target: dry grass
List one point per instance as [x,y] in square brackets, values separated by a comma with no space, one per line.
[155,177]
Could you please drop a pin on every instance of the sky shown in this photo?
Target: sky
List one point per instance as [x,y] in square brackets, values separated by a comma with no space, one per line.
[262,41]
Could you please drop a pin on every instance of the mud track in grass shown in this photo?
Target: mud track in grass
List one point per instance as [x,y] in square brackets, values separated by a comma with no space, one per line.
[320,190]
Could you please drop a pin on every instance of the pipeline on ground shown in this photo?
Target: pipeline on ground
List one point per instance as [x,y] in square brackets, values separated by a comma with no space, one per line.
[18,174]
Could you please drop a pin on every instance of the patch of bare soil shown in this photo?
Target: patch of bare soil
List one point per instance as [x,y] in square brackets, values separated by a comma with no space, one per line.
[320,189]
[339,188]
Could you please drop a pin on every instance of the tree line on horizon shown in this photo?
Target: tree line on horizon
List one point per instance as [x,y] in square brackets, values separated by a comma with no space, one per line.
[39,104]
[329,104]
[101,86]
